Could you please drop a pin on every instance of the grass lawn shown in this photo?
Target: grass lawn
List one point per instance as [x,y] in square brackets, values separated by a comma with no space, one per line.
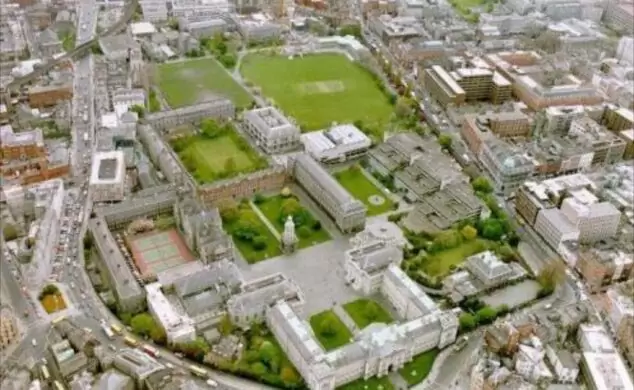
[319,89]
[365,312]
[206,158]
[187,82]
[370,384]
[249,254]
[53,303]
[271,208]
[438,264]
[360,187]
[331,332]
[68,40]
[417,370]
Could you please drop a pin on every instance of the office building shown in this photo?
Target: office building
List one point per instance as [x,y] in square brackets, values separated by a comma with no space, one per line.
[108,177]
[347,212]
[564,365]
[503,125]
[273,132]
[508,166]
[68,361]
[366,264]
[398,28]
[8,328]
[201,28]
[337,144]
[208,9]
[601,364]
[154,11]
[625,50]
[258,28]
[179,328]
[215,109]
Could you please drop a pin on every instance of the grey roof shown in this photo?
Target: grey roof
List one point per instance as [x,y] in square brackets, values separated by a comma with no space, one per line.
[113,379]
[263,292]
[325,181]
[488,265]
[222,274]
[143,203]
[300,335]
[397,150]
[136,363]
[408,288]
[271,123]
[47,37]
[115,45]
[125,284]
[419,178]
[375,256]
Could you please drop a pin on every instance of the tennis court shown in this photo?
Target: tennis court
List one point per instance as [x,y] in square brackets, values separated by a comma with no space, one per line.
[158,251]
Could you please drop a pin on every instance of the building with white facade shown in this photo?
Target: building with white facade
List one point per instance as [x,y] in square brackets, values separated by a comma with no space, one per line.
[208,9]
[347,212]
[602,364]
[337,144]
[258,27]
[620,307]
[380,348]
[564,364]
[107,177]
[625,50]
[128,98]
[179,328]
[154,11]
[365,265]
[488,268]
[215,109]
[271,130]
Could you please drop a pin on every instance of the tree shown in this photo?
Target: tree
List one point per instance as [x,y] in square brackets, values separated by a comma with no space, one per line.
[258,243]
[50,289]
[258,368]
[351,29]
[158,335]
[371,310]
[507,253]
[125,317]
[481,184]
[228,210]
[303,232]
[486,315]
[10,232]
[469,232]
[403,108]
[551,276]
[230,165]
[225,327]
[290,207]
[88,241]
[258,198]
[268,353]
[492,229]
[445,141]
[548,41]
[288,374]
[327,327]
[140,110]
[447,239]
[143,324]
[467,322]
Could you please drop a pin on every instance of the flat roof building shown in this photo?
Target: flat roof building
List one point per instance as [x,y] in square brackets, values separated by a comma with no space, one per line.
[179,328]
[337,144]
[347,212]
[107,177]
[218,108]
[271,130]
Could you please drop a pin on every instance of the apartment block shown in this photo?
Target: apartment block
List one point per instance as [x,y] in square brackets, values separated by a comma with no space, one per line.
[620,15]
[601,268]
[347,212]
[443,87]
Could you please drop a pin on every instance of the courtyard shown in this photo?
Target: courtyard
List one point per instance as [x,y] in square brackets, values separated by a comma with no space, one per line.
[359,186]
[215,158]
[319,89]
[307,228]
[417,370]
[158,251]
[373,383]
[366,311]
[184,83]
[330,331]
[442,263]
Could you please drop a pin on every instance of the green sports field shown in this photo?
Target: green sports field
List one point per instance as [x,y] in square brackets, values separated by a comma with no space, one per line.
[319,89]
[184,83]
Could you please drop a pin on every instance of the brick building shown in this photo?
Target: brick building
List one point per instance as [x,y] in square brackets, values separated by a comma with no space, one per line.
[50,95]
[600,268]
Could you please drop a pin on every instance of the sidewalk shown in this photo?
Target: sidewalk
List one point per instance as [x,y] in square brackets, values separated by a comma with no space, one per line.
[265,221]
[346,319]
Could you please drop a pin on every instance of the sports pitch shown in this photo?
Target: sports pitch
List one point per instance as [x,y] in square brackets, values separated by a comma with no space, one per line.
[320,89]
[156,252]
[184,83]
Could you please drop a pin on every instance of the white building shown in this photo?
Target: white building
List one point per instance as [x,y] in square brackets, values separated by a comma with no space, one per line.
[208,9]
[107,177]
[337,144]
[124,99]
[625,50]
[271,130]
[365,265]
[142,29]
[154,11]
[179,328]
[620,306]
[488,268]
[564,364]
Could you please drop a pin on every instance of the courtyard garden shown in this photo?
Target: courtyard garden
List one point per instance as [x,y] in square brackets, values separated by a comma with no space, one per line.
[370,384]
[417,370]
[441,263]
[320,89]
[365,312]
[252,238]
[331,332]
[51,299]
[278,208]
[359,186]
[216,152]
[471,9]
[184,83]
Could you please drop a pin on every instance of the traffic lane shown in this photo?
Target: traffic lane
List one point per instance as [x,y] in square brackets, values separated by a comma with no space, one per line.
[17,294]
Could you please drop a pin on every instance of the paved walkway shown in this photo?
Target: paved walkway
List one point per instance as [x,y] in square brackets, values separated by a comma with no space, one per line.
[266,221]
[346,319]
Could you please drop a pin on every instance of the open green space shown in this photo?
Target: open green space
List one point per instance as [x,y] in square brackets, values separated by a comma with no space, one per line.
[277,209]
[370,384]
[440,264]
[217,152]
[68,40]
[469,9]
[320,89]
[250,235]
[365,312]
[359,186]
[184,83]
[331,332]
[417,370]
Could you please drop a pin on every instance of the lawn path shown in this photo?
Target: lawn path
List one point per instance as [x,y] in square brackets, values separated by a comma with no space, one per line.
[265,221]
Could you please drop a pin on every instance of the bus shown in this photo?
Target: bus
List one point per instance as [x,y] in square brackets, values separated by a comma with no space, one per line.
[198,371]
[130,341]
[150,350]
[45,374]
[58,320]
[117,329]
[58,386]
[109,333]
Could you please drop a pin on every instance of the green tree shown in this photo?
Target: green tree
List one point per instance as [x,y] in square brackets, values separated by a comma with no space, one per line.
[551,276]
[486,315]
[140,110]
[469,232]
[481,184]
[50,289]
[351,29]
[371,310]
[445,141]
[258,368]
[303,232]
[225,327]
[467,322]
[447,239]
[10,232]
[492,229]
[228,209]
[327,327]
[125,317]
[290,207]
[158,335]
[143,324]
[268,352]
[258,243]
[403,108]
[288,374]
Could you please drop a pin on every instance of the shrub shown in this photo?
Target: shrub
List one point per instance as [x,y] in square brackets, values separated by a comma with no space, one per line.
[258,199]
[258,243]
[316,225]
[303,231]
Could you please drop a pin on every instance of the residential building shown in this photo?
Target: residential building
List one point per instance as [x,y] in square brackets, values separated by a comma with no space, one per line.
[108,177]
[273,132]
[50,95]
[601,268]
[217,109]
[125,287]
[618,118]
[161,154]
[625,50]
[8,328]
[554,228]
[564,364]
[179,328]
[557,119]
[337,144]
[595,220]
[256,296]
[347,212]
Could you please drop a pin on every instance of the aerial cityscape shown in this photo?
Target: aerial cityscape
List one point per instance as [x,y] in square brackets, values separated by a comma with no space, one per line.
[317,194]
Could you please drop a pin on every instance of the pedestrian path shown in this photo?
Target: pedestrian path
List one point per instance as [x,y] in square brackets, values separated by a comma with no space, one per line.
[346,319]
[266,221]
